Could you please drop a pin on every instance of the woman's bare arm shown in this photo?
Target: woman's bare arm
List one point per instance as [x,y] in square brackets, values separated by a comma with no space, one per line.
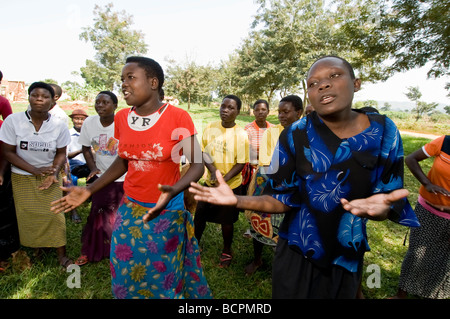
[223,195]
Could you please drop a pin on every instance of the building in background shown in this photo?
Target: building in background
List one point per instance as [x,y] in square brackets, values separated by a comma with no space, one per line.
[14,91]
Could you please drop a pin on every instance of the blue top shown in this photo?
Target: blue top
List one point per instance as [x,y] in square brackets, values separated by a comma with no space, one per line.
[312,169]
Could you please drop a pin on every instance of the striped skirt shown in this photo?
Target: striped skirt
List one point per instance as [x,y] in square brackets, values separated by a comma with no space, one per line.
[426,267]
[38,226]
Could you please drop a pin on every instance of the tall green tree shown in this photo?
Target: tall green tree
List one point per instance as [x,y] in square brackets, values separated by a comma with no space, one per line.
[190,82]
[422,35]
[227,79]
[288,35]
[113,40]
[272,58]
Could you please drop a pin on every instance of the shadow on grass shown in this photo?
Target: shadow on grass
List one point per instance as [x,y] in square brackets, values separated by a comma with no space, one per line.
[232,282]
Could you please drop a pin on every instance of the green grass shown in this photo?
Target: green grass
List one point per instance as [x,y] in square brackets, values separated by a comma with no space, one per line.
[47,280]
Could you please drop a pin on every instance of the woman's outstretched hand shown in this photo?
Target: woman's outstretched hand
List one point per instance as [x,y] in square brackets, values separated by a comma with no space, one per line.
[375,207]
[74,198]
[163,200]
[221,194]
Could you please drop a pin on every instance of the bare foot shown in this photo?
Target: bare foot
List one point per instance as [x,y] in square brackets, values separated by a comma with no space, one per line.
[252,267]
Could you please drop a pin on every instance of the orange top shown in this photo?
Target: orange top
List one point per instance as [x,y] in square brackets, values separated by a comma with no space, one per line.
[150,144]
[439,173]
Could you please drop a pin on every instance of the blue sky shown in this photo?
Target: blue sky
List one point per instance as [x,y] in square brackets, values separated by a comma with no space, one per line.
[40,39]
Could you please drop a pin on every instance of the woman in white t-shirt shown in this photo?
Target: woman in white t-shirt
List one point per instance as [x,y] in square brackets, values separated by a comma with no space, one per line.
[34,142]
[100,150]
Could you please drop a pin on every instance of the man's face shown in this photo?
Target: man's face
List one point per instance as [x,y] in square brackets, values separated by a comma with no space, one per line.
[78,121]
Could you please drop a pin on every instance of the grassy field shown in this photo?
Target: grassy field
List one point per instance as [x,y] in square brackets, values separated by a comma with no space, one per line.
[45,279]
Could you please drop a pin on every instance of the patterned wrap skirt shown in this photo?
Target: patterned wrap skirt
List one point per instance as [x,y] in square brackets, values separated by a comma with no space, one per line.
[264,226]
[159,259]
[426,266]
[38,226]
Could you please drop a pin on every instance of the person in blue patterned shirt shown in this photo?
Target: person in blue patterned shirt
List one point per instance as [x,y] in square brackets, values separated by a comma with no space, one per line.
[331,171]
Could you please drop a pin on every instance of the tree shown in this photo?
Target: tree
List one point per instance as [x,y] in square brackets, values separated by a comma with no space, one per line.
[362,36]
[424,108]
[114,40]
[413,94]
[422,35]
[421,107]
[386,107]
[447,109]
[227,79]
[288,35]
[276,54]
[191,82]
[50,81]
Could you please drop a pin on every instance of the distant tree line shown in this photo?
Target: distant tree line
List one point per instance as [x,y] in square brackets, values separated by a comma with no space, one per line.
[378,37]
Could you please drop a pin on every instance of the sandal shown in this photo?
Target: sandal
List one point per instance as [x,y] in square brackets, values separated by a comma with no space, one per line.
[225,260]
[82,260]
[3,265]
[65,262]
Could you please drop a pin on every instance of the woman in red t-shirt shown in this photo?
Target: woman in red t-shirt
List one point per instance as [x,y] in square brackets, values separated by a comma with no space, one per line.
[154,253]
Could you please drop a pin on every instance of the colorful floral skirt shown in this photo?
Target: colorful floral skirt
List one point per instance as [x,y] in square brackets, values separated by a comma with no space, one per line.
[160,259]
[264,226]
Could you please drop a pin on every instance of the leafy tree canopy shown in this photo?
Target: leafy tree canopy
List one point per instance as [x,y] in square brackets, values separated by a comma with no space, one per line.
[113,40]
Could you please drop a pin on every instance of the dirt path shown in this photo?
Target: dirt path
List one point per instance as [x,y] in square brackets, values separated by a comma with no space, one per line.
[425,135]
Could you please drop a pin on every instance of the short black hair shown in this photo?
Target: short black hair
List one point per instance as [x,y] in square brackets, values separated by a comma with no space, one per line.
[295,100]
[1,75]
[259,102]
[56,88]
[111,95]
[236,99]
[346,63]
[42,85]
[151,67]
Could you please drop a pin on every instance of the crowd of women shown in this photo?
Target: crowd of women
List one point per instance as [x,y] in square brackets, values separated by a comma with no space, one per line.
[307,187]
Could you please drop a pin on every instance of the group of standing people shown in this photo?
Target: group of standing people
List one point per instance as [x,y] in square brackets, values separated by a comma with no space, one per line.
[35,155]
[330,172]
[314,180]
